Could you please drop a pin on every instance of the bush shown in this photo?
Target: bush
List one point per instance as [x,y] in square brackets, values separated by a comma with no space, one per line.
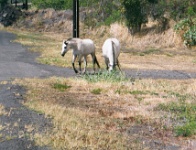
[180,9]
[3,3]
[188,29]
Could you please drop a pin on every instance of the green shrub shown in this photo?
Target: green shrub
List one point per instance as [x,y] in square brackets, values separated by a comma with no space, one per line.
[188,29]
[180,9]
[3,3]
[186,130]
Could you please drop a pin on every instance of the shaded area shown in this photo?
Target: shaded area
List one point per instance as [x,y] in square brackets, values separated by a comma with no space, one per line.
[9,15]
[18,123]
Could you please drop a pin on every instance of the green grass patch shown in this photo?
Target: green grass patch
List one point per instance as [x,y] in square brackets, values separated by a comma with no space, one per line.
[151,51]
[185,114]
[33,37]
[96,91]
[186,130]
[181,97]
[137,92]
[113,76]
[61,87]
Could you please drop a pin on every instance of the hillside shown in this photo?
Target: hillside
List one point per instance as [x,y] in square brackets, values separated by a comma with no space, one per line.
[151,35]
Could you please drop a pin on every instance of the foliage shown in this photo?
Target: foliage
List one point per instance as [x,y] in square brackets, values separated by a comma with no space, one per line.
[133,14]
[186,11]
[106,12]
[186,130]
[188,29]
[3,3]
[56,4]
[137,11]
[180,9]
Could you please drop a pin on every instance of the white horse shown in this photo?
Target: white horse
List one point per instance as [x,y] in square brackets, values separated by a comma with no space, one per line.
[81,48]
[111,51]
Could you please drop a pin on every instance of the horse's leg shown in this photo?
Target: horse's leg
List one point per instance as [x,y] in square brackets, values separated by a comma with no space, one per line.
[93,60]
[79,62]
[107,63]
[73,61]
[85,64]
[96,61]
[118,65]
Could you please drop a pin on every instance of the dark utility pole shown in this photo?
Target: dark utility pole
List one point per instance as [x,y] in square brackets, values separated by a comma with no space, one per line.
[26,4]
[75,18]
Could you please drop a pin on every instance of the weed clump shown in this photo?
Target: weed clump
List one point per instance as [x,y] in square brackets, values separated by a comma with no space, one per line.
[61,87]
[105,76]
[185,114]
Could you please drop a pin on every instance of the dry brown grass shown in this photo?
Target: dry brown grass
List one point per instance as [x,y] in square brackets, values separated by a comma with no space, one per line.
[83,119]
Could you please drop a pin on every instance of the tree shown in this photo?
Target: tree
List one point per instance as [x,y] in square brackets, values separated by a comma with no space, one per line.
[3,3]
[134,14]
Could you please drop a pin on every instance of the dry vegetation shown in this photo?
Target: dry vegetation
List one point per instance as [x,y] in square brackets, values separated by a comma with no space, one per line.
[129,114]
[112,118]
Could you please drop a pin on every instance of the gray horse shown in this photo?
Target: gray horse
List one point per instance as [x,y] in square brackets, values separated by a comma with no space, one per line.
[81,48]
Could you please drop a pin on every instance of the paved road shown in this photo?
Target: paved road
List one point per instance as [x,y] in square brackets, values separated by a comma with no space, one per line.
[17,62]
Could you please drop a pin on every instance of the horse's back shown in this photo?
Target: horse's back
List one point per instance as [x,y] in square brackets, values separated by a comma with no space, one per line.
[107,47]
[86,46]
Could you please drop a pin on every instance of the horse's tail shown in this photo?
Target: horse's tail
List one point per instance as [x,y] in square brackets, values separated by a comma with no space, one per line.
[96,61]
[113,53]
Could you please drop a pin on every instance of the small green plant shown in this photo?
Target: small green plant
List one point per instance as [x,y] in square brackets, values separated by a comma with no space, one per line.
[61,87]
[113,76]
[96,91]
[186,130]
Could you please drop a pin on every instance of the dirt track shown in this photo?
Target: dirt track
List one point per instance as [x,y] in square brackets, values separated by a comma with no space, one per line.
[17,62]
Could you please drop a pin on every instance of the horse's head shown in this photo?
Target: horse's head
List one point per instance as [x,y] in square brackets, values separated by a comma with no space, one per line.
[64,48]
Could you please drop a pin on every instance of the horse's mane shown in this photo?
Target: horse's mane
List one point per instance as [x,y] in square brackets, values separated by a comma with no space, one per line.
[69,39]
[72,39]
